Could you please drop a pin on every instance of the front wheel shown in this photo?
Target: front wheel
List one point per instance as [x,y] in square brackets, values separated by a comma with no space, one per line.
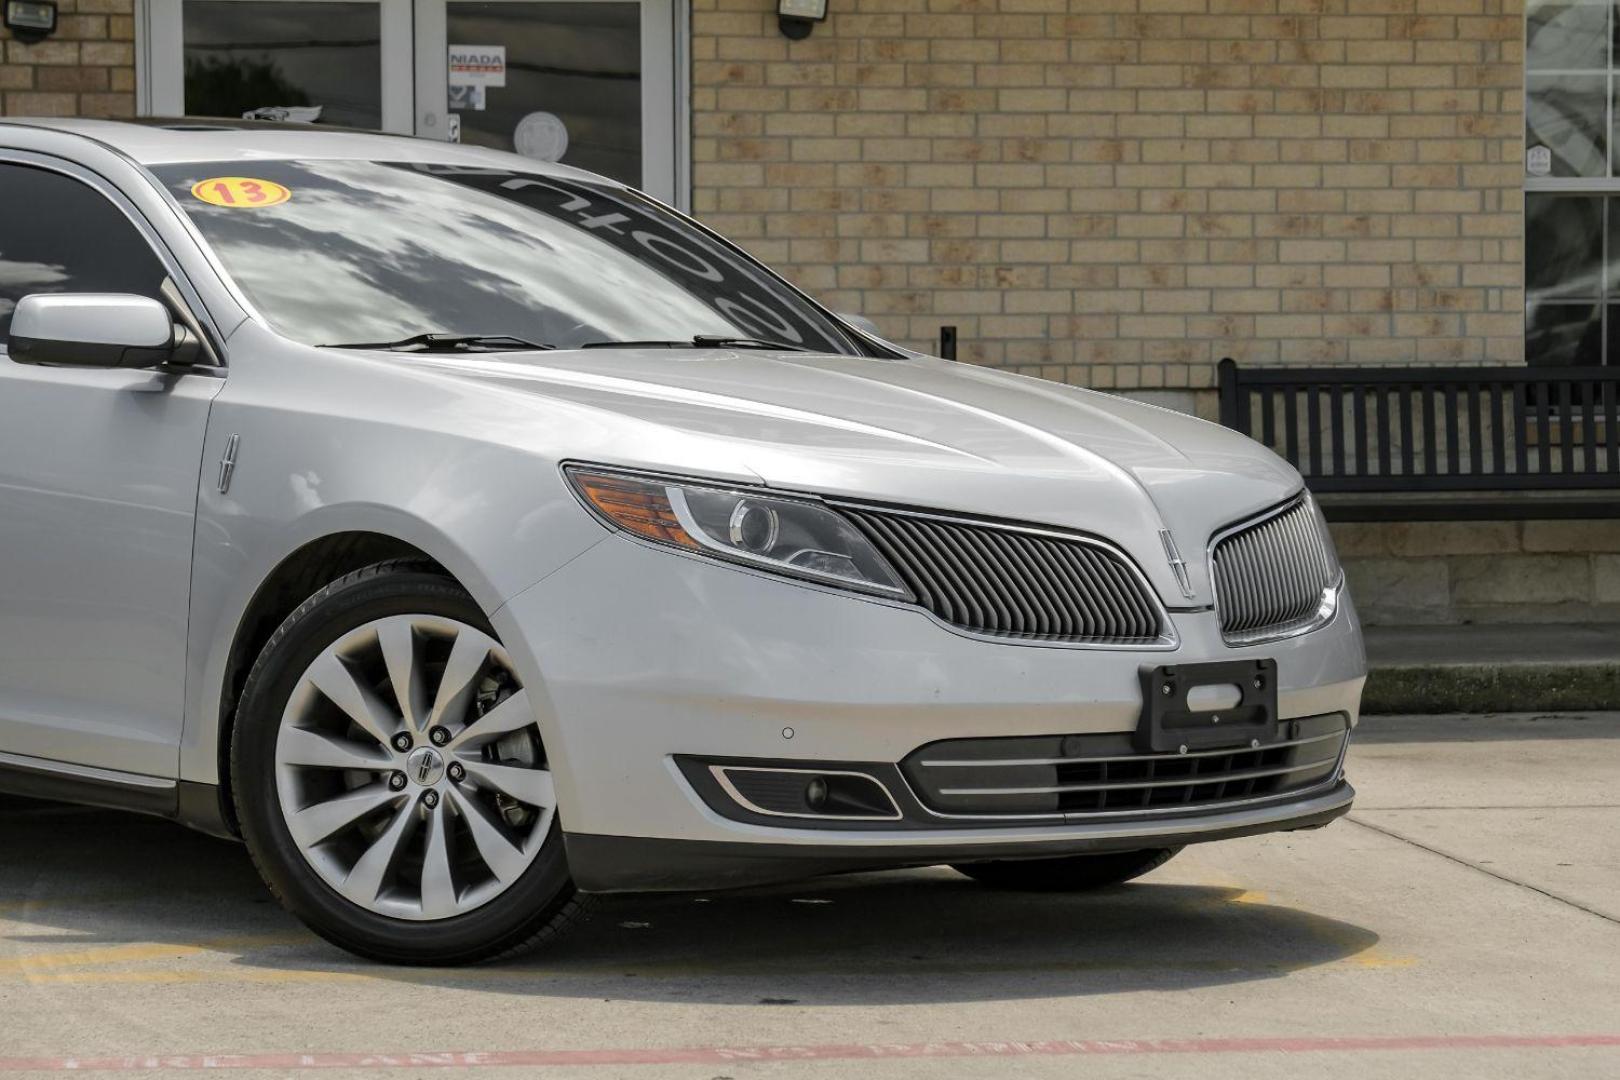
[1073,873]
[390,779]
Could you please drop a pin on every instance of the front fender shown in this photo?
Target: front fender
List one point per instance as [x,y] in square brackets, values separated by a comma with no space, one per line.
[327,452]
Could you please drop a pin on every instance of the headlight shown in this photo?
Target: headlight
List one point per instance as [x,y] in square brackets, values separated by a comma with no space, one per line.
[789,536]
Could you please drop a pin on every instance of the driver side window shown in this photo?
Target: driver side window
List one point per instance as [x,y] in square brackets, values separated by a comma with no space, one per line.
[60,235]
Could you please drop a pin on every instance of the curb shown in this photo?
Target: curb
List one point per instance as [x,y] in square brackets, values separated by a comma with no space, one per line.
[1495,688]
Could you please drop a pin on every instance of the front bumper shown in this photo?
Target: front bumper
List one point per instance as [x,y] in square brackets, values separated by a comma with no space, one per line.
[625,863]
[637,657]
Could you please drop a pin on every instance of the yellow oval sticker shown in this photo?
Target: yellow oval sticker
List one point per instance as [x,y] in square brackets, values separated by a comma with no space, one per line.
[239,192]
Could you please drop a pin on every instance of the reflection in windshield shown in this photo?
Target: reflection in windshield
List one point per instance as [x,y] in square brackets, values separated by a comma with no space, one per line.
[364,251]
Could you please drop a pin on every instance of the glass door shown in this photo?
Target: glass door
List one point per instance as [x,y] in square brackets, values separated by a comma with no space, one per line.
[343,62]
[589,83]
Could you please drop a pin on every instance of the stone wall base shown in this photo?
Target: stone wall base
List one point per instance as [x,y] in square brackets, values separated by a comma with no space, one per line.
[1452,573]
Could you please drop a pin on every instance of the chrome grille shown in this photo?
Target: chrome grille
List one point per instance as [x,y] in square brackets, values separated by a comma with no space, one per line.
[1270,577]
[1084,775]
[1015,583]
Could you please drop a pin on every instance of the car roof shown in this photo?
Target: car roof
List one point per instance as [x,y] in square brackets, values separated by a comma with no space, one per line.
[178,140]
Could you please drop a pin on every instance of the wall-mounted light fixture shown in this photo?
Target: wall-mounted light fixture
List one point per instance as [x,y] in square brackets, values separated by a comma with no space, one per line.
[30,20]
[796,18]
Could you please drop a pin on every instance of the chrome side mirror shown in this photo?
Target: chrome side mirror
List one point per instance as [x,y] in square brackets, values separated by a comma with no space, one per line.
[98,330]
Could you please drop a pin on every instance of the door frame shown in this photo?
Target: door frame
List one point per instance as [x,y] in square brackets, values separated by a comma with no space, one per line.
[414,92]
[664,103]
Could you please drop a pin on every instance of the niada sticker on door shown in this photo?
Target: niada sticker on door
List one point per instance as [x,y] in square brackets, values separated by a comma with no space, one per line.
[478,65]
[239,192]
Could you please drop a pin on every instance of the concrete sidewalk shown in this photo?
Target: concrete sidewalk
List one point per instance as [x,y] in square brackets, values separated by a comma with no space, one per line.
[1566,667]
[1462,922]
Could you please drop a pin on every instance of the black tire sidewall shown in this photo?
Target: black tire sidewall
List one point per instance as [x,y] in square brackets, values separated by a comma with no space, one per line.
[505,922]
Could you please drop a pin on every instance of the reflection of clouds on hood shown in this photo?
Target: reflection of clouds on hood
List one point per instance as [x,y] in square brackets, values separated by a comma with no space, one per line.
[21,278]
[368,252]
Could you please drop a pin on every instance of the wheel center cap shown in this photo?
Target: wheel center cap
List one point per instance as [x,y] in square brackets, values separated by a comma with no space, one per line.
[425,766]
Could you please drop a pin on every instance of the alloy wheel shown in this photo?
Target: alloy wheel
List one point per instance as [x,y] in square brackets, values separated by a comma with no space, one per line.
[410,771]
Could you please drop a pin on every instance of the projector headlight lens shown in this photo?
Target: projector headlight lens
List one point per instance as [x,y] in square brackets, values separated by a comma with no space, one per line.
[797,537]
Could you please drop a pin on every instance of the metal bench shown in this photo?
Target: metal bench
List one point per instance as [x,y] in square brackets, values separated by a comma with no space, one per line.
[1433,443]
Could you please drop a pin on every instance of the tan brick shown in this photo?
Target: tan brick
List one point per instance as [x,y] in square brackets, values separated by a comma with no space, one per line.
[1396,590]
[34,104]
[73,79]
[1301,180]
[1521,579]
[1572,536]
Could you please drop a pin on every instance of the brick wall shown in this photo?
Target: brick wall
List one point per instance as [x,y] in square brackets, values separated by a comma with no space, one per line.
[1482,571]
[1119,192]
[87,68]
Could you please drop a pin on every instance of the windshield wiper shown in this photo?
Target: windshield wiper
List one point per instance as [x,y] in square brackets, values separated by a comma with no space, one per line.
[448,343]
[701,341]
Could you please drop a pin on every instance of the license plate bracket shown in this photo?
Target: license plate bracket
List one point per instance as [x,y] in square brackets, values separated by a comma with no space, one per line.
[1169,722]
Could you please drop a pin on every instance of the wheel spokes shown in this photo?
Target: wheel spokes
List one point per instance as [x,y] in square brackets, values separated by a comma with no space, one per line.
[504,858]
[397,640]
[510,715]
[366,878]
[314,750]
[460,679]
[332,677]
[365,707]
[438,886]
[532,787]
[324,820]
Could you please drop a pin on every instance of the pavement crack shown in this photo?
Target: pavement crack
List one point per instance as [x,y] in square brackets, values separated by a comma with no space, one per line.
[1393,835]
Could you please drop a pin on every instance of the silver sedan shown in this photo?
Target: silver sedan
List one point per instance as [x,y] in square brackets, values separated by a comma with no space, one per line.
[471,535]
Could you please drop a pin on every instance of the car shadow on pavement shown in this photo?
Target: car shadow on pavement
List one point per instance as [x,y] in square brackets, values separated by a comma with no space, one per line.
[91,892]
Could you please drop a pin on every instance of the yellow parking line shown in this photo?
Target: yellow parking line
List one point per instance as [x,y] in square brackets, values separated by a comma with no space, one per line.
[137,951]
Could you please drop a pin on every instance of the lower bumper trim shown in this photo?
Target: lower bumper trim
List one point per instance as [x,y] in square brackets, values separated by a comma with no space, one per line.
[601,863]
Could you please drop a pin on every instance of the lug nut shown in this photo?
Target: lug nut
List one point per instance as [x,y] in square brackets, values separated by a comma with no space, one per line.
[456,771]
[402,742]
[396,781]
[430,799]
[439,736]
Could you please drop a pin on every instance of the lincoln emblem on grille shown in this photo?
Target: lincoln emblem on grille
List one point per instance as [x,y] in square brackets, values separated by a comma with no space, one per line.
[1177,564]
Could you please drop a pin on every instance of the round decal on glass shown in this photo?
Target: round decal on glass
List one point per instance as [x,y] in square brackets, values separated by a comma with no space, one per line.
[542,136]
[239,192]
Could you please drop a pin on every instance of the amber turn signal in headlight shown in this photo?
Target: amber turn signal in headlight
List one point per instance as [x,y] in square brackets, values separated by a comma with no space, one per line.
[633,505]
[798,537]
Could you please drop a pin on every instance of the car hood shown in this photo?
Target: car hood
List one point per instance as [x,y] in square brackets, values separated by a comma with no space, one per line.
[921,432]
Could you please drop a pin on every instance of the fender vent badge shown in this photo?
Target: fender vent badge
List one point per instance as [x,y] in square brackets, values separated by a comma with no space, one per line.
[227,463]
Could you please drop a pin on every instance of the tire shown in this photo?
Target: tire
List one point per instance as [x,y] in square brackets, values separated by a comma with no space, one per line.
[459,861]
[1074,873]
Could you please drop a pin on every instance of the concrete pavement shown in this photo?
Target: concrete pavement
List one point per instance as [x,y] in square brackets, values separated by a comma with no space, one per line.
[1464,922]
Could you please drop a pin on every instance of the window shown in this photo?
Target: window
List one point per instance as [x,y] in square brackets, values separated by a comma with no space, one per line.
[364,251]
[59,235]
[1572,183]
[322,60]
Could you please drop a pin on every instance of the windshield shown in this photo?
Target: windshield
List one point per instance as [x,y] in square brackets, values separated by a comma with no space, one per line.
[345,252]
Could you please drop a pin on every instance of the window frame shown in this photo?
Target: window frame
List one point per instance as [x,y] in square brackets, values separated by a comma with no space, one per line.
[188,301]
[1605,187]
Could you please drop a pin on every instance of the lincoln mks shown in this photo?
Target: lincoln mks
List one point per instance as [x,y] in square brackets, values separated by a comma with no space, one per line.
[470,535]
